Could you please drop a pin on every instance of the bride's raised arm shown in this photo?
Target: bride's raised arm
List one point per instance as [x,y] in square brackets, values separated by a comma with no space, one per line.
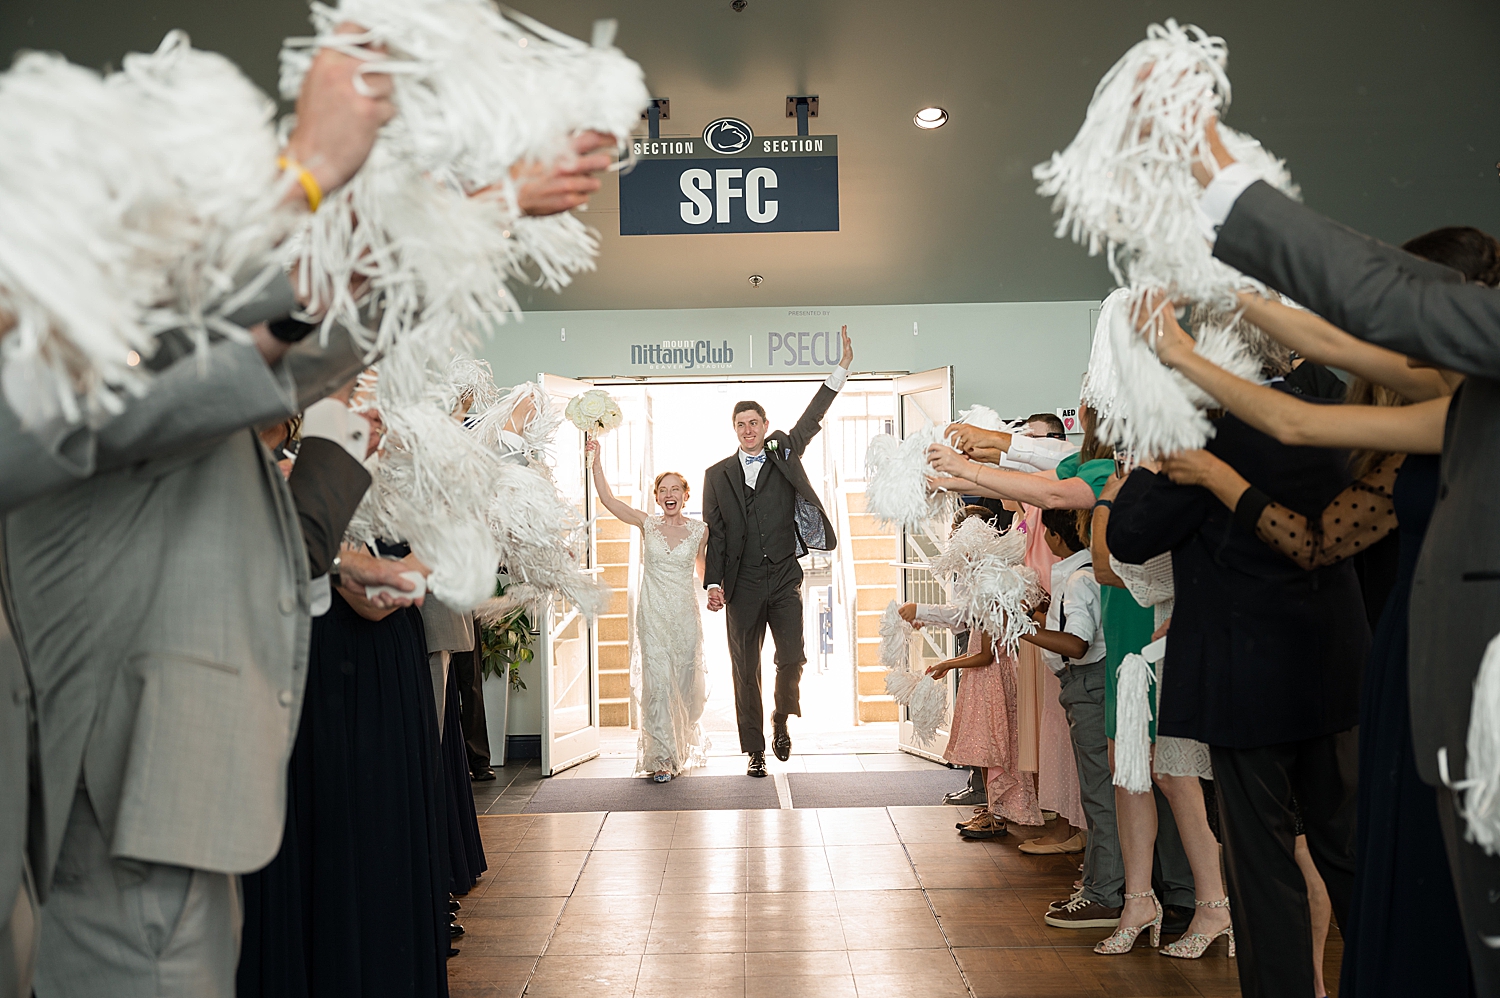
[622,511]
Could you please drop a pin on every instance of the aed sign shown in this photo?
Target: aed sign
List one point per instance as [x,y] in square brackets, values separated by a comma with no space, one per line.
[731,181]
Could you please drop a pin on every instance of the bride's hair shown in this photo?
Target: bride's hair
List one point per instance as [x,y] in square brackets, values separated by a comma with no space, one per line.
[687,490]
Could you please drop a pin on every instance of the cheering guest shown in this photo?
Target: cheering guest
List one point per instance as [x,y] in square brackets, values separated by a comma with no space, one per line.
[1263,665]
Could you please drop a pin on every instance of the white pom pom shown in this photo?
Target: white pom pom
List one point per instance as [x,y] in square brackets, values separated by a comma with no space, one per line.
[981,416]
[1133,725]
[898,475]
[895,639]
[927,710]
[1480,790]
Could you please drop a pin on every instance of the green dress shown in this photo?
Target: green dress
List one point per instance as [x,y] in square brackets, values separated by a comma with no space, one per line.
[1127,624]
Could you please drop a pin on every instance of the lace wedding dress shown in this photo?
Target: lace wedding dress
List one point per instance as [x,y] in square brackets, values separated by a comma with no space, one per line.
[669,681]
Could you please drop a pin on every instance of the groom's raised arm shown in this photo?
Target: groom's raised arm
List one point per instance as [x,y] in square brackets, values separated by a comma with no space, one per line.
[713,561]
[811,420]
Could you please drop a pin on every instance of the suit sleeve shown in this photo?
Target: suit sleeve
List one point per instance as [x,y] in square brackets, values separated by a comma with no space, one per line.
[1373,290]
[811,420]
[327,485]
[713,559]
[1152,515]
[37,461]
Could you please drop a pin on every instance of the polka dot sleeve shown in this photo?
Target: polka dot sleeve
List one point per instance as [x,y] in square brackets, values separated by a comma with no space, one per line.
[1358,517]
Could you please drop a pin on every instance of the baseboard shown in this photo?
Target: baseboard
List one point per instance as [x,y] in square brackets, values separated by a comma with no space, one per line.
[523,747]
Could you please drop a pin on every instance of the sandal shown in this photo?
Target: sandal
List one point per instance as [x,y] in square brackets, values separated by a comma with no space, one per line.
[1123,938]
[1192,945]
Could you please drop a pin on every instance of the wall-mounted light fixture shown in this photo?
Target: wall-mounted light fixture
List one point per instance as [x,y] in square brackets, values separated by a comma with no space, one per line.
[930,117]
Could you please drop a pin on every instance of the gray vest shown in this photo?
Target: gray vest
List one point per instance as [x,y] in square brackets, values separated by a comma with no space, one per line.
[770,521]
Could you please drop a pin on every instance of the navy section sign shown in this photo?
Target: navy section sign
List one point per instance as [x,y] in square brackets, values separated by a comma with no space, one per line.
[785,183]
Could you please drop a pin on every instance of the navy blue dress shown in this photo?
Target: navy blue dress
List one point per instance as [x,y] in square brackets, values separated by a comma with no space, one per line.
[355,905]
[1404,936]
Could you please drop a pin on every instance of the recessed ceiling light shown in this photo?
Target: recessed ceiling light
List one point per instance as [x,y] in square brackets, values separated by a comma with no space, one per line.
[930,117]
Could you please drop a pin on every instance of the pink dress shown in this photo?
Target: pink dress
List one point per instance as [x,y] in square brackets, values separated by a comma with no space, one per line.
[984,733]
[1056,772]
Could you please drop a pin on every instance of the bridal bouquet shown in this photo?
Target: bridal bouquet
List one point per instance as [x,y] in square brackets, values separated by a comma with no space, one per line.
[594,412]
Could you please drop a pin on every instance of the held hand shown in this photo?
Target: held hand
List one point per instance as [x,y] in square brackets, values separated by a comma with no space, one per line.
[716,599]
[359,568]
[1192,467]
[948,461]
[591,446]
[1041,606]
[940,670]
[1111,486]
[1216,149]
[1161,632]
[1156,321]
[848,357]
[566,183]
[972,440]
[908,612]
[337,119]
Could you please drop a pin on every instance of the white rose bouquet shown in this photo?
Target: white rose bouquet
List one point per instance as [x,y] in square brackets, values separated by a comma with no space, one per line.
[594,412]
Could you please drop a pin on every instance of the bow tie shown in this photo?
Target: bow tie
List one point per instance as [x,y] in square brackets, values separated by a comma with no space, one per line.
[757,459]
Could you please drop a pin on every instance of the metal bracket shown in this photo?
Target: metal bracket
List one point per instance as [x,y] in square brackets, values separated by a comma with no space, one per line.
[659,108]
[802,108]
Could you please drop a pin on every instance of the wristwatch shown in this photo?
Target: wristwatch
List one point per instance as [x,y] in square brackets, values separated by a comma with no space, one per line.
[335,578]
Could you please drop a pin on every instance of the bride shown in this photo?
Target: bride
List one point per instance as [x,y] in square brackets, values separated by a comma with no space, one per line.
[667,640]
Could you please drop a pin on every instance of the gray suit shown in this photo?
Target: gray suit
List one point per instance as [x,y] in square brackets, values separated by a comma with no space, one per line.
[1394,299]
[447,631]
[161,607]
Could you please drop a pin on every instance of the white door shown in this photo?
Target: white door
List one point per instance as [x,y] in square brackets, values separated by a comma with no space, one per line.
[924,399]
[569,647]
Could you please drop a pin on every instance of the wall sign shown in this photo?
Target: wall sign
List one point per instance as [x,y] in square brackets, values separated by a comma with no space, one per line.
[731,180]
[1070,419]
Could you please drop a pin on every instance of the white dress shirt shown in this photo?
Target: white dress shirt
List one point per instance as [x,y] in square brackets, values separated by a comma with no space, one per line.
[834,381]
[1073,583]
[1036,453]
[1220,195]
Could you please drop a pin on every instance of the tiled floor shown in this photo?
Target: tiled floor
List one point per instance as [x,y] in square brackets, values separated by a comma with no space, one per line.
[864,903]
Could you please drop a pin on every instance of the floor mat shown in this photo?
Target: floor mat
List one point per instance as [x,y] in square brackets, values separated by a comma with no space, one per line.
[910,788]
[688,793]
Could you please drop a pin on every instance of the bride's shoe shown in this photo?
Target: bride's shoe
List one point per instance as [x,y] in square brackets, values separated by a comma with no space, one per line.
[1193,945]
[662,777]
[1124,937]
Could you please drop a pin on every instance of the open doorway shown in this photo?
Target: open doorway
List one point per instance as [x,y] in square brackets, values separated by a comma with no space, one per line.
[684,426]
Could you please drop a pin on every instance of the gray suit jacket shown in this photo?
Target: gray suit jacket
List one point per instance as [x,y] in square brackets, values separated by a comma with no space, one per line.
[161,610]
[1388,297]
[447,630]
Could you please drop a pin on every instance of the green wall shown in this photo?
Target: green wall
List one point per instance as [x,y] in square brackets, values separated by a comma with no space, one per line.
[1016,357]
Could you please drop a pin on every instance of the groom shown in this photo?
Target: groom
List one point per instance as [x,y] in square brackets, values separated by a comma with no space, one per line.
[762,515]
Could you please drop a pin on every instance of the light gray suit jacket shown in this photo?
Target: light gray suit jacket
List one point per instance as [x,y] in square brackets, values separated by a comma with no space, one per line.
[161,610]
[1389,297]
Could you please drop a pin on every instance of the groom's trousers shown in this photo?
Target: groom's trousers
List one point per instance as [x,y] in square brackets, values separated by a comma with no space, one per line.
[768,594]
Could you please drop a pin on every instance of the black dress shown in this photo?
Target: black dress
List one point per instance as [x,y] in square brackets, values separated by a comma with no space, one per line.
[355,903]
[1404,936]
[465,850]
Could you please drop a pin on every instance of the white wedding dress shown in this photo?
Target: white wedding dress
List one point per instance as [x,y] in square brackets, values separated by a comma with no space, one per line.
[669,681]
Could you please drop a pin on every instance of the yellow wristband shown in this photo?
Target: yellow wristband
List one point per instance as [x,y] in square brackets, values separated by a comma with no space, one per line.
[306,179]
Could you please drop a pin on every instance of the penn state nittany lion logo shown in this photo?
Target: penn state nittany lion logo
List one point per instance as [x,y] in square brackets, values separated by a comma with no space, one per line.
[727,136]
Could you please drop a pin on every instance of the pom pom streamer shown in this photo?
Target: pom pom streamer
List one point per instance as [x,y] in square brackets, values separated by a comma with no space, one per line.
[1133,725]
[1124,186]
[990,584]
[925,699]
[898,475]
[130,204]
[1480,791]
[431,223]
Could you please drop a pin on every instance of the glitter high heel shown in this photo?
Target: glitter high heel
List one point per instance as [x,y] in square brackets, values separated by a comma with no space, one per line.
[1193,945]
[1124,937]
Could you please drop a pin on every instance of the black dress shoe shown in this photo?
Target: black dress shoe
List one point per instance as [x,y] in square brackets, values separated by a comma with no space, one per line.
[452,952]
[455,930]
[453,905]
[484,775]
[1175,919]
[781,742]
[757,764]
